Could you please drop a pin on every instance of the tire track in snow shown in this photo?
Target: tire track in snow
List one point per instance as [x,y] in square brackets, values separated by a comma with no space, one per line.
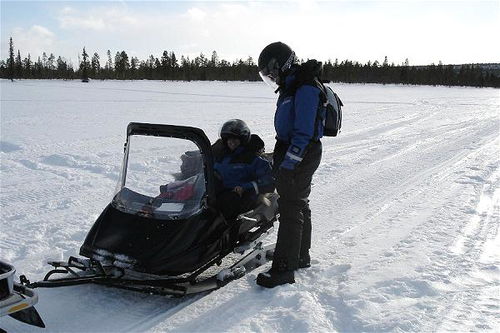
[392,211]
[370,138]
[51,197]
[263,304]
[464,138]
[391,278]
[484,211]
[162,92]
[476,288]
[443,265]
[408,188]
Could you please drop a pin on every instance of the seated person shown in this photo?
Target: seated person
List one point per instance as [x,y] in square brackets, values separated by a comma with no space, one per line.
[188,185]
[192,165]
[242,172]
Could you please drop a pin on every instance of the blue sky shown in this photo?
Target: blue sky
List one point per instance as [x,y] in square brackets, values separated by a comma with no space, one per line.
[422,31]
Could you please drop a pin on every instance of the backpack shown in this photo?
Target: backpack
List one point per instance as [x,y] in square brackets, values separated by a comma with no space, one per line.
[333,107]
[309,73]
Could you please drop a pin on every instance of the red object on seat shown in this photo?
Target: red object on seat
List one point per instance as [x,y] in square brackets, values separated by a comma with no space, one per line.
[179,192]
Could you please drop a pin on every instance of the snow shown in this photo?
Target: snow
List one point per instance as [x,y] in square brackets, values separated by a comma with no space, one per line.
[406,206]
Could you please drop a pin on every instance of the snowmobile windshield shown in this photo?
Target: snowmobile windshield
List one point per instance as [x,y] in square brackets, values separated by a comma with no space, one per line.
[162,178]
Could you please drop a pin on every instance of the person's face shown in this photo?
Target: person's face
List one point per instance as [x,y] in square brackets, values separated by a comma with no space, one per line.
[233,143]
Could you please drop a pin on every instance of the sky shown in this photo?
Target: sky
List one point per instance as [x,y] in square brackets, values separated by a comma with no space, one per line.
[423,32]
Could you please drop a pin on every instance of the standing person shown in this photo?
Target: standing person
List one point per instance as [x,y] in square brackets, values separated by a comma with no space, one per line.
[297,155]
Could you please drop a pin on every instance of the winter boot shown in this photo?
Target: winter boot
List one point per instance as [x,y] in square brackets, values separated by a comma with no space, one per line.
[273,278]
[305,261]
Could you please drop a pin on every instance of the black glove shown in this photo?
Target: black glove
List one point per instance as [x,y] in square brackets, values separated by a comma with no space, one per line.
[286,175]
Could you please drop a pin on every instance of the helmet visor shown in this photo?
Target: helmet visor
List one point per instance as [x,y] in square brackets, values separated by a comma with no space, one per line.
[269,79]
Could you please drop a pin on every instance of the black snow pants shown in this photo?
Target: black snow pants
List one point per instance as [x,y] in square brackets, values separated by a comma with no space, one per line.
[230,204]
[294,233]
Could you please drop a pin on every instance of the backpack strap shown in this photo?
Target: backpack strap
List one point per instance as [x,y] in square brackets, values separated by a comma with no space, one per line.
[320,85]
[322,101]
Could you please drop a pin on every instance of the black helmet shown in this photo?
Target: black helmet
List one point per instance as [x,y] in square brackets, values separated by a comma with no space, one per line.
[275,61]
[235,128]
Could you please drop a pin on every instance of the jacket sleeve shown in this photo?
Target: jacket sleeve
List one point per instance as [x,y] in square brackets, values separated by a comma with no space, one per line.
[263,181]
[306,108]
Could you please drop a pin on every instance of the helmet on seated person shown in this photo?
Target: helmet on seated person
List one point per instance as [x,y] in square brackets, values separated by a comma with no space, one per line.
[235,128]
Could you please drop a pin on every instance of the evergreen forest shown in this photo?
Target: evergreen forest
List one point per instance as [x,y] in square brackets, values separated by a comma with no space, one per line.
[168,66]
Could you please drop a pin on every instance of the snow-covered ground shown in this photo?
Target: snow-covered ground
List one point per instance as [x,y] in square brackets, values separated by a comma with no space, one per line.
[405,207]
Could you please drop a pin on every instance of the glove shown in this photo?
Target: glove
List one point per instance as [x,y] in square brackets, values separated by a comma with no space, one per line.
[286,175]
[288,164]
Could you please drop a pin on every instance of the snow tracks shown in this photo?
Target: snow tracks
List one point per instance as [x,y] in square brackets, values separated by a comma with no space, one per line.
[405,207]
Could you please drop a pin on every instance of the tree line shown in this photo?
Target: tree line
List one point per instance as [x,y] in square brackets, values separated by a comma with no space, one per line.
[170,67]
[476,75]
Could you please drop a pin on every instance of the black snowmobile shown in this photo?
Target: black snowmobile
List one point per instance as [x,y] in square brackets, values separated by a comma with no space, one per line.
[17,300]
[161,233]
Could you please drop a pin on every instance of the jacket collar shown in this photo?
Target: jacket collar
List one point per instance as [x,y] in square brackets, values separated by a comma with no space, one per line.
[289,80]
[236,152]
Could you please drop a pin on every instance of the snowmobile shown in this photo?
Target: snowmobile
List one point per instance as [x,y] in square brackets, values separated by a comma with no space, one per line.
[17,300]
[161,233]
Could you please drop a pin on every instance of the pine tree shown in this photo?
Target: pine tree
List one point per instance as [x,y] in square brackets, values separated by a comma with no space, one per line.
[18,66]
[62,69]
[3,68]
[95,65]
[117,62]
[173,60]
[214,61]
[165,64]
[10,61]
[125,63]
[134,64]
[84,65]
[27,66]
[404,72]
[122,64]
[51,62]
[386,62]
[39,68]
[109,66]
[44,60]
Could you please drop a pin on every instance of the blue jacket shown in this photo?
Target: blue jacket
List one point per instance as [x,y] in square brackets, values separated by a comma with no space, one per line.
[244,168]
[295,120]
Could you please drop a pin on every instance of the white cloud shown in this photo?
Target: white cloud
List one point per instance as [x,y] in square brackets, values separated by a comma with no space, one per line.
[42,32]
[234,30]
[322,30]
[98,19]
[34,40]
[67,10]
[196,14]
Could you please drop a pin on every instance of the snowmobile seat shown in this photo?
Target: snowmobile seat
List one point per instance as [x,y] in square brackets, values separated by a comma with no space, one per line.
[265,211]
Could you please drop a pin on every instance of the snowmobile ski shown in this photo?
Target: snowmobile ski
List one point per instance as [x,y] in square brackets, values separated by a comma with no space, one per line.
[83,271]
